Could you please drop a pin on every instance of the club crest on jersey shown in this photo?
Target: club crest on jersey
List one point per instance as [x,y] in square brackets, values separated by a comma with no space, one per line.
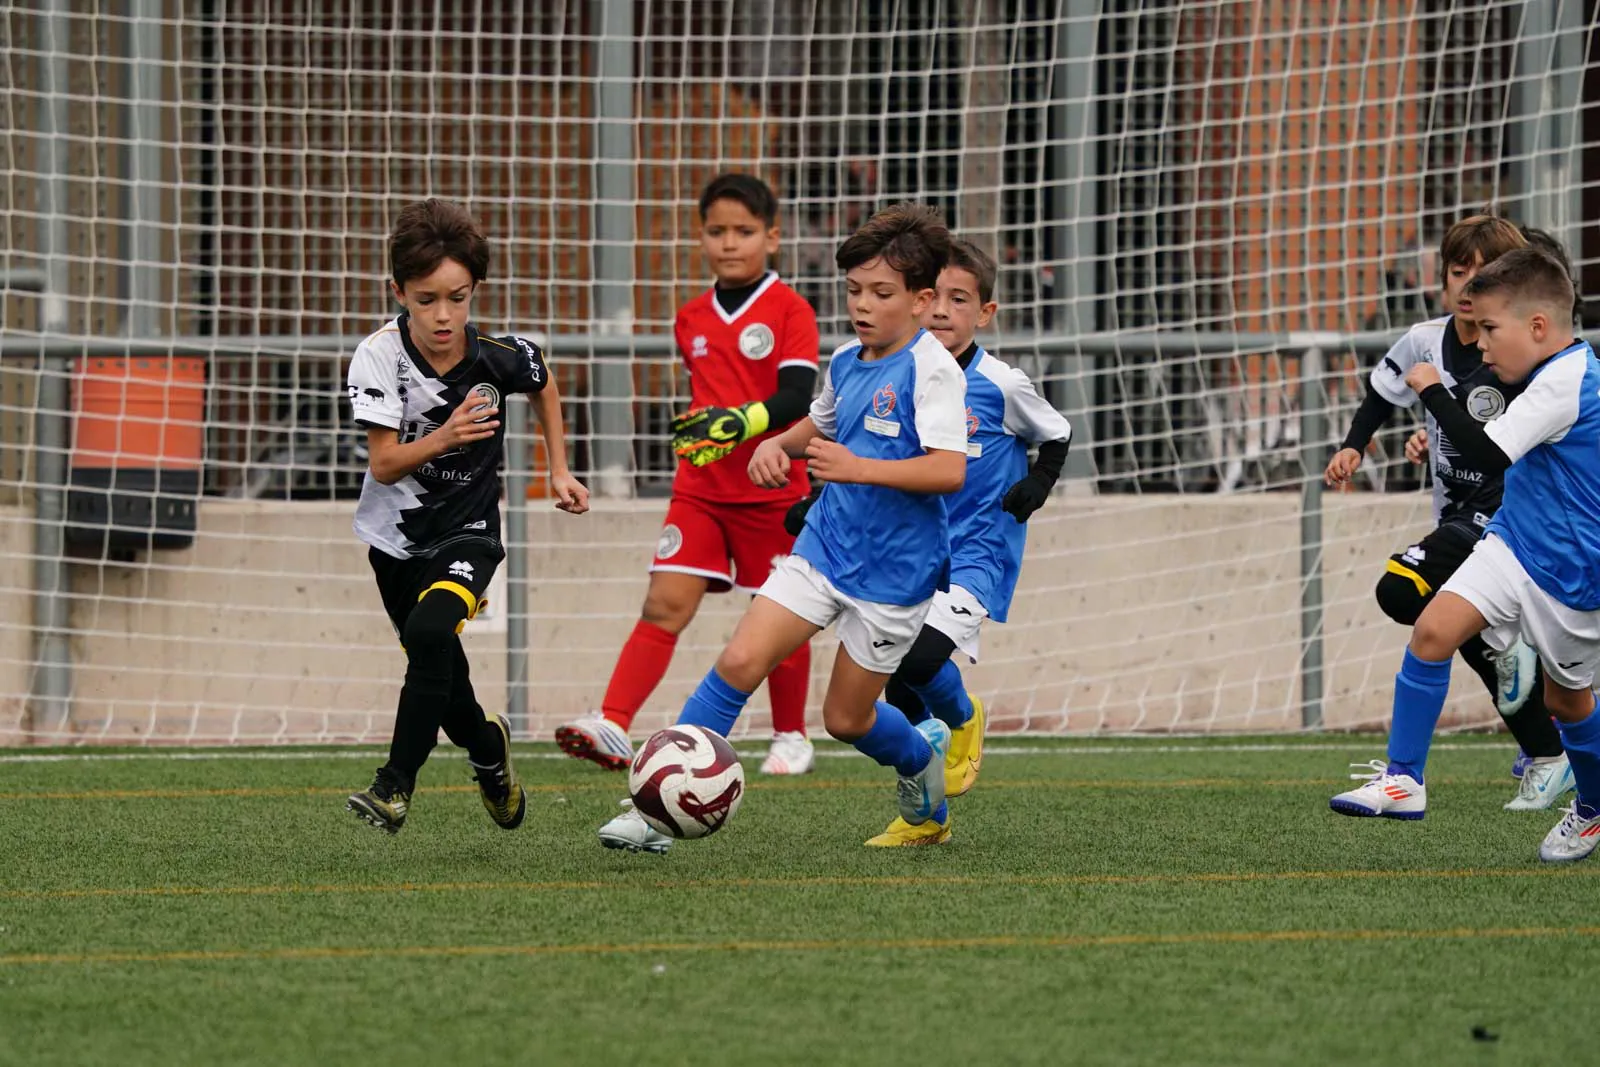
[670,541]
[883,401]
[756,341]
[697,347]
[488,392]
[1486,403]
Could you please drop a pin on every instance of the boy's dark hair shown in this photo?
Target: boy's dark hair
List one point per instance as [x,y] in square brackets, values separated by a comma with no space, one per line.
[1546,242]
[1485,237]
[964,255]
[1527,276]
[756,195]
[431,231]
[910,238]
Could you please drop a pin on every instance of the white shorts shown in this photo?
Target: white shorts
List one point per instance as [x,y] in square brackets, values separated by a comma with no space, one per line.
[876,636]
[1494,581]
[958,615]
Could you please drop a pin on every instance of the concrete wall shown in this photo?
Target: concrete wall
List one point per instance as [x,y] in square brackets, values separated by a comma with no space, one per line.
[1153,613]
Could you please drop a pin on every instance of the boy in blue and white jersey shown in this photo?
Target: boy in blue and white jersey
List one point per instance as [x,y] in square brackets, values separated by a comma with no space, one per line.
[1537,569]
[888,435]
[988,516]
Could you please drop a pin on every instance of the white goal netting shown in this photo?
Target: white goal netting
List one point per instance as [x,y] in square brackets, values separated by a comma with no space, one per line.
[1211,216]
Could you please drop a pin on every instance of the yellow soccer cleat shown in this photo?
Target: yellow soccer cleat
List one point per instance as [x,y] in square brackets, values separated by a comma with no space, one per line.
[503,796]
[902,834]
[966,753]
[385,804]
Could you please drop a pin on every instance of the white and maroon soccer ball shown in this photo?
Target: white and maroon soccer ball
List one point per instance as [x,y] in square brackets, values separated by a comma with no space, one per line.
[686,781]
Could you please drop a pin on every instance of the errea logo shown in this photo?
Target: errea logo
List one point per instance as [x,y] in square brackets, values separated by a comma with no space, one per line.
[461,569]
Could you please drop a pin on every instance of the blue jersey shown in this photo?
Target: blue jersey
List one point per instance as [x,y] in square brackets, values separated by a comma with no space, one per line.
[873,543]
[1005,415]
[1550,514]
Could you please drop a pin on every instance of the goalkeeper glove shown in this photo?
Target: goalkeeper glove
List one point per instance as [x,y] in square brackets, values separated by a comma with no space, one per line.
[705,435]
[1026,497]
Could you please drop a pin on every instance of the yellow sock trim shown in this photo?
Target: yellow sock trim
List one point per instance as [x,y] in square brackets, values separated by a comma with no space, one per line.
[459,590]
[1394,567]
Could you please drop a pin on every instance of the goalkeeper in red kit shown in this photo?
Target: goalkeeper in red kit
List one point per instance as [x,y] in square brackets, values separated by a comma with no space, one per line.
[750,344]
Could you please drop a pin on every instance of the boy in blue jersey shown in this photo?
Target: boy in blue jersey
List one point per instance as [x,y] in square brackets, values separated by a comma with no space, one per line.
[988,516]
[1537,569]
[888,435]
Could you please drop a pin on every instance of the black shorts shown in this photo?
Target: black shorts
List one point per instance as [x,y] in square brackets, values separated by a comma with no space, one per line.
[1430,562]
[463,568]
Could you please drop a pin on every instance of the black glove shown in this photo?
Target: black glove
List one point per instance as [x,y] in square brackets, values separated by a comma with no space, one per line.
[1026,497]
[794,520]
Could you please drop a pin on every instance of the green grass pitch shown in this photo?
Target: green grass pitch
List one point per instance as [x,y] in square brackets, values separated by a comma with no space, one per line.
[1172,902]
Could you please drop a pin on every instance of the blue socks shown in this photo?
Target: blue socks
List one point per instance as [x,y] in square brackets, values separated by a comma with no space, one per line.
[1419,692]
[894,742]
[1582,742]
[714,705]
[946,696]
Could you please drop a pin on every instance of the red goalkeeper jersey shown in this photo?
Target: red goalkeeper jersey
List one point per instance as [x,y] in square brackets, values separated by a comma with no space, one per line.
[733,358]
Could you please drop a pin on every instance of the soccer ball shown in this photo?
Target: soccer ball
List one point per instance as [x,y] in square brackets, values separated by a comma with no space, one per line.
[686,781]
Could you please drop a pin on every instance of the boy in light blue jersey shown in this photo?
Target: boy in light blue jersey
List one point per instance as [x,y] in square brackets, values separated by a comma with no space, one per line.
[988,516]
[888,435]
[1537,569]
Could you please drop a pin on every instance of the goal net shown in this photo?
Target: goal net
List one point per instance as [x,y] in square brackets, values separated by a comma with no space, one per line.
[1211,216]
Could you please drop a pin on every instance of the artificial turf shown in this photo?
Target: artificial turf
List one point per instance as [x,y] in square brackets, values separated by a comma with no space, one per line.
[1115,902]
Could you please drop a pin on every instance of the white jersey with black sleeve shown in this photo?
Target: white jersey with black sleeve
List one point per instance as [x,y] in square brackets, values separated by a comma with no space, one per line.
[456,496]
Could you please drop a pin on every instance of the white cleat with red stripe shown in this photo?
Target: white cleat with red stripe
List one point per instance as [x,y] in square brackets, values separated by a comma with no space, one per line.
[1574,837]
[1391,796]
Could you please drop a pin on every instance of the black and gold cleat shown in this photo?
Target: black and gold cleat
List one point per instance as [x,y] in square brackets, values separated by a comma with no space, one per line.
[503,795]
[385,804]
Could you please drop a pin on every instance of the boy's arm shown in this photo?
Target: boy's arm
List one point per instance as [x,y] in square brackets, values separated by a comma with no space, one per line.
[1033,419]
[1544,412]
[939,399]
[1386,390]
[374,392]
[571,495]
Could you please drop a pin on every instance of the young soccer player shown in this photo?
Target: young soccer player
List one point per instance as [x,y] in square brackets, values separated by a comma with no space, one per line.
[428,387]
[888,435]
[988,516]
[1537,568]
[750,346]
[1465,496]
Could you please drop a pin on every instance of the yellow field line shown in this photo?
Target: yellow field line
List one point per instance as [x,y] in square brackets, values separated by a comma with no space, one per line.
[619,784]
[864,881]
[1079,941]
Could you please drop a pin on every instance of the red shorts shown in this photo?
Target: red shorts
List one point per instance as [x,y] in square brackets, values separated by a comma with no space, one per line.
[731,545]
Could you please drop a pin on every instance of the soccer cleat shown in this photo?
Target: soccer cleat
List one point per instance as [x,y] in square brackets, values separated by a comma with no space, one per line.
[598,740]
[1574,837]
[791,753]
[1392,796]
[1519,766]
[901,834]
[921,794]
[965,758]
[503,796]
[629,831]
[1514,670]
[385,804]
[1543,783]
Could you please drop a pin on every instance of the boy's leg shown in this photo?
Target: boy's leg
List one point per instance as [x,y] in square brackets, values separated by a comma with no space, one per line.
[769,632]
[670,604]
[756,540]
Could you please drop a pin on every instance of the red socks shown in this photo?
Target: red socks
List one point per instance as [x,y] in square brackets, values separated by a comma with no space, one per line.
[787,688]
[640,667]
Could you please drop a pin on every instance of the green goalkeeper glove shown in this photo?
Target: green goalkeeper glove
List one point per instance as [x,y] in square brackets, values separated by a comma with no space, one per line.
[705,435]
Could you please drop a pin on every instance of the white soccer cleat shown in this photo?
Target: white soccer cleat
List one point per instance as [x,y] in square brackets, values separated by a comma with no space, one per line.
[1573,838]
[791,753]
[598,740]
[1543,783]
[921,794]
[1514,670]
[1392,796]
[630,832]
